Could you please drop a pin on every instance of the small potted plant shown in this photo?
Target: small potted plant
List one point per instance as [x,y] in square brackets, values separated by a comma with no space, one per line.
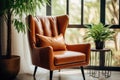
[99,33]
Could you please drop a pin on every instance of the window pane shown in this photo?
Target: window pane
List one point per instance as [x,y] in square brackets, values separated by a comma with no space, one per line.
[41,11]
[75,35]
[58,7]
[75,11]
[91,11]
[112,11]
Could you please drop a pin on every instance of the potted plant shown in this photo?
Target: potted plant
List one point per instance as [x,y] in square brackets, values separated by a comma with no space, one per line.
[12,12]
[99,33]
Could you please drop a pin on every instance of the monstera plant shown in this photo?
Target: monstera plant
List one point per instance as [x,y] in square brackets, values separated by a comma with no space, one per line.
[12,12]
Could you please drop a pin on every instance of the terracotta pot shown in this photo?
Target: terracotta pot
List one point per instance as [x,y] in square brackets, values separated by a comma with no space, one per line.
[99,44]
[9,68]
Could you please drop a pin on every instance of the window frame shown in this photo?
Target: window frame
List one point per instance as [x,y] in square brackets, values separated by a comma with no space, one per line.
[81,25]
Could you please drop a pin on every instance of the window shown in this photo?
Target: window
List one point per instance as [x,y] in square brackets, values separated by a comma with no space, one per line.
[83,12]
[41,11]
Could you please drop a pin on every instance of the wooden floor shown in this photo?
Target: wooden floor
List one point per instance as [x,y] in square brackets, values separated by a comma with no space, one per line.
[66,74]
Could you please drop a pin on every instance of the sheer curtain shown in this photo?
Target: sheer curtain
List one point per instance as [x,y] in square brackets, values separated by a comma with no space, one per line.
[20,46]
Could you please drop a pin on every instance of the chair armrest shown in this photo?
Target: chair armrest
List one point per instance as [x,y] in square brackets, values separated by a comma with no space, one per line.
[43,56]
[84,48]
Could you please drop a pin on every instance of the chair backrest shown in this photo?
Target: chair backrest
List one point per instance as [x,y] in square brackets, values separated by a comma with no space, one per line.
[47,26]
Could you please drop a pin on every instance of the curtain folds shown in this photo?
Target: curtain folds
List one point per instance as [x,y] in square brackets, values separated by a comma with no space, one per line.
[20,46]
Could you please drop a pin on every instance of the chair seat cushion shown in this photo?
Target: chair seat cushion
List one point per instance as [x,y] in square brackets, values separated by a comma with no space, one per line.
[66,57]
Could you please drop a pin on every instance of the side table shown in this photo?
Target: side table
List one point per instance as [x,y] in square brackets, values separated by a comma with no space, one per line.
[101,58]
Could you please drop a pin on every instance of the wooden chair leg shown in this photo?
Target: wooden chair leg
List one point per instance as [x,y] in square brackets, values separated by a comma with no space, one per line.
[82,70]
[35,71]
[51,75]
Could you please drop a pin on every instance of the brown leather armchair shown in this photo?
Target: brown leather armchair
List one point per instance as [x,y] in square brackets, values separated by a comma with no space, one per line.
[48,50]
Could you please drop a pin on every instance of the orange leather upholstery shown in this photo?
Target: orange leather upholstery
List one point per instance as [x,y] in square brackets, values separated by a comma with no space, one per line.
[57,42]
[45,56]
[68,57]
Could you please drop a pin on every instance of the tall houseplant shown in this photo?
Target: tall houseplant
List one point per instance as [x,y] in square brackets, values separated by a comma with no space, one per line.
[13,11]
[17,8]
[99,33]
